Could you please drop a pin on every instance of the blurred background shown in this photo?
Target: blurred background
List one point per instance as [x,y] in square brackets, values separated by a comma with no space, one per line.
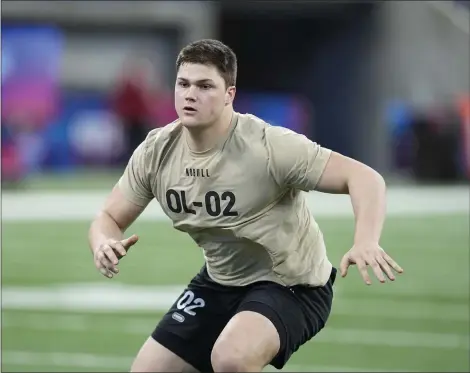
[385,82]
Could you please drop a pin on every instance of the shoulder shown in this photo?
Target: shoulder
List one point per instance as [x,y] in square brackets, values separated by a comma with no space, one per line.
[256,130]
[156,144]
[158,138]
[250,124]
[251,129]
[278,133]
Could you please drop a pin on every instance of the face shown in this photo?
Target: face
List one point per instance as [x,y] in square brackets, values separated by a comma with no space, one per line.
[201,95]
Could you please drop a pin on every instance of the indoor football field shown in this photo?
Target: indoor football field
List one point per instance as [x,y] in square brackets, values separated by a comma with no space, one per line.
[60,314]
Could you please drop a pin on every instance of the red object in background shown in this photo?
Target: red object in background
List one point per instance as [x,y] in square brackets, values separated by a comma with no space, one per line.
[163,110]
[156,109]
[135,93]
[139,98]
[464,110]
[132,101]
[12,169]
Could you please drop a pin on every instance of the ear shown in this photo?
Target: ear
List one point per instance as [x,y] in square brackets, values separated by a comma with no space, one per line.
[230,95]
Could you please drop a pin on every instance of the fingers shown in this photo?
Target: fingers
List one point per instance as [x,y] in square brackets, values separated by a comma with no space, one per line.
[392,263]
[111,256]
[103,270]
[118,248]
[362,267]
[128,242]
[380,264]
[101,265]
[377,269]
[107,256]
[106,261]
[344,265]
[385,267]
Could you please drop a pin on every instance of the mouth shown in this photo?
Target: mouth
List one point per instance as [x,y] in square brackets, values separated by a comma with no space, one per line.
[189,109]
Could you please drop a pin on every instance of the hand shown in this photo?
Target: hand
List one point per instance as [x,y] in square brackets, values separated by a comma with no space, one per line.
[107,256]
[373,255]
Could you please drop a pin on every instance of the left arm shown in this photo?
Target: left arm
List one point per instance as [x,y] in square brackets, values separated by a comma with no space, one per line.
[367,190]
[296,162]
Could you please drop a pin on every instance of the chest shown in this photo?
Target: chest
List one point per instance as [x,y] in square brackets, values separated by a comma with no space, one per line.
[214,191]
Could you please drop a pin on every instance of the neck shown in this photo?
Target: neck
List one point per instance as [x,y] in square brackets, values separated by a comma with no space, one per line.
[206,137]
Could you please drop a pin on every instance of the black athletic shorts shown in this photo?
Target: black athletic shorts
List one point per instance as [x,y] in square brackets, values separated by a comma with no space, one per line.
[194,322]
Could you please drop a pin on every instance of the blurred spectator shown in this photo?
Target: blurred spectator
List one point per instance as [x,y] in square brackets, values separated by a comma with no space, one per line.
[12,167]
[463,107]
[437,145]
[134,98]
[23,146]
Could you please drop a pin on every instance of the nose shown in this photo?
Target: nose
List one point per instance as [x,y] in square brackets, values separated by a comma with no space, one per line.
[191,94]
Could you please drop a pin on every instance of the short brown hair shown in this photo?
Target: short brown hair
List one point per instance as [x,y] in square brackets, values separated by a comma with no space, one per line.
[211,52]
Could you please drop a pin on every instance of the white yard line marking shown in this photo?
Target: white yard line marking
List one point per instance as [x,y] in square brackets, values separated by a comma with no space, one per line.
[116,297]
[79,205]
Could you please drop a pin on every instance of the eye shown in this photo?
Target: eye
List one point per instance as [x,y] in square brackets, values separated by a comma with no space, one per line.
[183,84]
[206,86]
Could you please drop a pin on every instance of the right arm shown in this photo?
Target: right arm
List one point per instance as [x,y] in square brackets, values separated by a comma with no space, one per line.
[106,231]
[126,202]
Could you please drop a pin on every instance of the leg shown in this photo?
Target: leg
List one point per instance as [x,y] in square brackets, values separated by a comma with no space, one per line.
[153,357]
[183,340]
[286,319]
[247,344]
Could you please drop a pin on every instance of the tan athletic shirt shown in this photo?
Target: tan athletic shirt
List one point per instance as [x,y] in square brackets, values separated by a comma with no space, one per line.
[241,201]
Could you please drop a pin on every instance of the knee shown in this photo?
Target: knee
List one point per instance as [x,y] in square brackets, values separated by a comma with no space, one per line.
[229,363]
[229,360]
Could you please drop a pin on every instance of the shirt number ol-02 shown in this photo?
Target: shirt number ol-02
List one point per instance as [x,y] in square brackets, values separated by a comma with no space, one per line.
[177,203]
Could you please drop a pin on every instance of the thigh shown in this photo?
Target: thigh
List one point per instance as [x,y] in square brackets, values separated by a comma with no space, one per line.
[154,357]
[191,326]
[247,344]
[298,313]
